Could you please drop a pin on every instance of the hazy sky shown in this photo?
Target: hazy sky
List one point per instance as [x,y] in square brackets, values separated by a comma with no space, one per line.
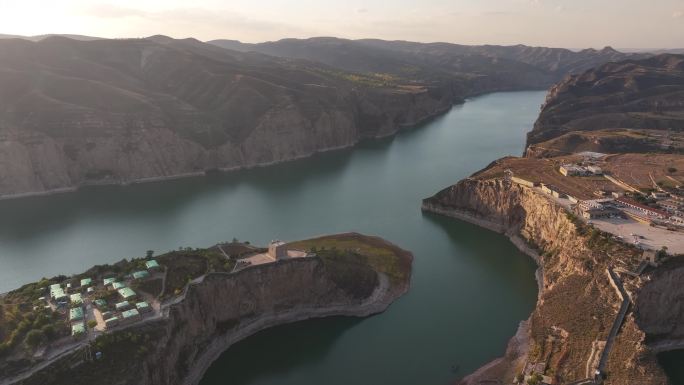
[560,23]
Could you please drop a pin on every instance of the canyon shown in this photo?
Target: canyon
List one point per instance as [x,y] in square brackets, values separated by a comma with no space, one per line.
[218,309]
[572,262]
[629,108]
[79,112]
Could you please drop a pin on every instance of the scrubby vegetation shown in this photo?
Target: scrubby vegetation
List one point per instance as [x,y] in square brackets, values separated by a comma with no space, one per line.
[375,252]
[122,357]
[350,271]
[184,265]
[24,320]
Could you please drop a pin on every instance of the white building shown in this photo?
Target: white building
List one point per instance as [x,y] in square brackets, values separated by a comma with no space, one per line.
[572,170]
[277,250]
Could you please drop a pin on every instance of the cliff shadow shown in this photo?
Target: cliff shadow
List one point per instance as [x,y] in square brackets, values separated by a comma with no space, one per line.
[673,364]
[23,218]
[275,352]
[482,246]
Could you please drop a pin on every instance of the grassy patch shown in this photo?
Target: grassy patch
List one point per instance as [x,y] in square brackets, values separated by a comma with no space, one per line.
[375,252]
[184,265]
[152,287]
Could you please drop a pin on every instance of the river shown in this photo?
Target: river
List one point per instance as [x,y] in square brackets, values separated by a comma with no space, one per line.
[470,287]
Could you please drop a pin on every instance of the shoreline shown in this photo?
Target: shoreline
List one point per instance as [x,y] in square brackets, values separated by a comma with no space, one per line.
[378,302]
[485,223]
[518,345]
[162,178]
[384,294]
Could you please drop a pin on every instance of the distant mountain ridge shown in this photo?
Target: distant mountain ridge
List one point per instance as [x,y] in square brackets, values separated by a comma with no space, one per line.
[517,65]
[646,94]
[74,113]
[81,112]
[41,37]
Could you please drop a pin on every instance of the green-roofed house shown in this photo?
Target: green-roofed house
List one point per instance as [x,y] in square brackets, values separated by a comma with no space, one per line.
[122,305]
[127,293]
[141,274]
[143,307]
[100,303]
[118,285]
[78,329]
[108,281]
[111,322]
[75,314]
[57,293]
[131,315]
[85,282]
[76,299]
[152,265]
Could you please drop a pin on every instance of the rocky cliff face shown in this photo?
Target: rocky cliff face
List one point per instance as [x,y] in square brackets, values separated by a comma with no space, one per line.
[576,304]
[658,307]
[75,113]
[636,94]
[197,331]
[219,310]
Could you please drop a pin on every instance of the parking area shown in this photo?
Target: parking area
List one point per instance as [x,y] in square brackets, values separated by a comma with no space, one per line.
[646,236]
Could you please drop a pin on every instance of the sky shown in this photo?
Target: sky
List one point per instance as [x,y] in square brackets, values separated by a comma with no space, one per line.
[556,23]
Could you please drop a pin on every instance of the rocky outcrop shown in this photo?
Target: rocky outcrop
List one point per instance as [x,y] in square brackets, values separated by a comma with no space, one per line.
[635,94]
[576,304]
[77,113]
[254,299]
[658,307]
[219,309]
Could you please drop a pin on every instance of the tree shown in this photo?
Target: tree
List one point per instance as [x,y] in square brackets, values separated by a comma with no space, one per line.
[34,338]
[671,170]
[49,331]
[535,379]
[662,253]
[92,323]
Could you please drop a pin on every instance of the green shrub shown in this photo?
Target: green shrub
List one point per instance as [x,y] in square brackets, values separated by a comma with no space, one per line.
[49,331]
[34,338]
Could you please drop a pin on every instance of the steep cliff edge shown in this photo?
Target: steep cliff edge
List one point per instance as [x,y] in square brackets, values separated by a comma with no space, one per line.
[75,113]
[605,108]
[219,309]
[576,304]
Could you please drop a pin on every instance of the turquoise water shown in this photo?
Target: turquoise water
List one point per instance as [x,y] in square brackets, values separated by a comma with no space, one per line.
[470,287]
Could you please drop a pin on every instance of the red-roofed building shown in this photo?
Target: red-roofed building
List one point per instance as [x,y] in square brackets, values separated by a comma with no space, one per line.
[650,211]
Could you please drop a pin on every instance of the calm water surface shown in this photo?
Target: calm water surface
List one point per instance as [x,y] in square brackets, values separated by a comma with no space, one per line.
[470,287]
[673,362]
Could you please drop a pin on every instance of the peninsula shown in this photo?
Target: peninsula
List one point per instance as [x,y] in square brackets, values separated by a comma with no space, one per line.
[605,228]
[165,319]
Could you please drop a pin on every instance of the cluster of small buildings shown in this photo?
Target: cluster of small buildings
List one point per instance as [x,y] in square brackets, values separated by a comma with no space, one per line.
[597,209]
[129,309]
[670,208]
[72,297]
